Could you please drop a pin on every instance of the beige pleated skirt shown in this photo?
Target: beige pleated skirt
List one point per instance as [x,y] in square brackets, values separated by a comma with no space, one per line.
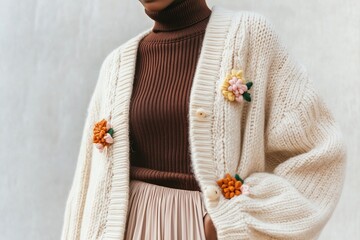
[158,212]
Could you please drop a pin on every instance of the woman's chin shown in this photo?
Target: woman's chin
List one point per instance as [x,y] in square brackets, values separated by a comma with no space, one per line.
[156,5]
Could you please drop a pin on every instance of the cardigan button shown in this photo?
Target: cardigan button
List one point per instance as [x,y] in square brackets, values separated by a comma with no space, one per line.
[200,113]
[212,193]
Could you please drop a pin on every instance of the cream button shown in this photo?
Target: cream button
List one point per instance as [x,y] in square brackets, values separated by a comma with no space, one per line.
[200,113]
[212,193]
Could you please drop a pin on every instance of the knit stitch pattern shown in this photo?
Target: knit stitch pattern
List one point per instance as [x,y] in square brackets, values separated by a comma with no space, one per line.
[284,144]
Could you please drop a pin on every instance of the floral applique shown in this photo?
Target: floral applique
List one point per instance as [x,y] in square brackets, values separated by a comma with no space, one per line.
[235,86]
[103,135]
[232,186]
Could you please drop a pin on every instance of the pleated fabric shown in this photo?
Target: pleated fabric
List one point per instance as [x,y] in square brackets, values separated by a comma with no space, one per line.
[159,212]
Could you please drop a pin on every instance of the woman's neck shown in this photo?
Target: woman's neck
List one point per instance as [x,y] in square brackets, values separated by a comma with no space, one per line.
[178,15]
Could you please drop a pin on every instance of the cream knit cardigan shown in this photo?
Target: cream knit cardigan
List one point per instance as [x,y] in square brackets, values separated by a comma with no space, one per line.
[284,143]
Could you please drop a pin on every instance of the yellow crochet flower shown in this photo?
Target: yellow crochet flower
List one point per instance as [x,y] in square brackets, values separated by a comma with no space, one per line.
[235,86]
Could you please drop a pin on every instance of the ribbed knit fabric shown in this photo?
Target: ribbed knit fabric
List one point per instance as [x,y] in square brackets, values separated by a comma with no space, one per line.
[284,144]
[165,67]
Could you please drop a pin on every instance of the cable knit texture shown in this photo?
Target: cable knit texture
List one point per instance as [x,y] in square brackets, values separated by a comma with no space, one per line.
[285,143]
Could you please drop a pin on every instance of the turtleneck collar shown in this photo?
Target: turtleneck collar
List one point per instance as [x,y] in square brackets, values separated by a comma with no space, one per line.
[179,14]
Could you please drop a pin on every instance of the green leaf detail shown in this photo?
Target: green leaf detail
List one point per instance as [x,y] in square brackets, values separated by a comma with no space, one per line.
[111,131]
[249,85]
[246,96]
[239,178]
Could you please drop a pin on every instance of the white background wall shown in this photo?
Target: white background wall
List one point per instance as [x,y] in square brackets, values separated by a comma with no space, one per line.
[50,55]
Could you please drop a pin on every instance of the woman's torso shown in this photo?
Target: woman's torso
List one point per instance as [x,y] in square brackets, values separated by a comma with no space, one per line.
[159,106]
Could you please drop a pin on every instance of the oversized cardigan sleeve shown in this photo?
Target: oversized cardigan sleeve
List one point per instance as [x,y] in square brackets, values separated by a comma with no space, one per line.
[77,195]
[305,150]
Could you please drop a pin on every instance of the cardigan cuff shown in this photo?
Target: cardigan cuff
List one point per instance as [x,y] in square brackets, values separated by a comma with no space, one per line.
[229,219]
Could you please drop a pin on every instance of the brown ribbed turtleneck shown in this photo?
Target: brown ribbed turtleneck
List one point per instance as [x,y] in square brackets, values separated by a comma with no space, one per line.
[165,67]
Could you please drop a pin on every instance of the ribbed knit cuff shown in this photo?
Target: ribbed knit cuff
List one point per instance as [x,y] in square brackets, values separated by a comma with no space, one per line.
[229,219]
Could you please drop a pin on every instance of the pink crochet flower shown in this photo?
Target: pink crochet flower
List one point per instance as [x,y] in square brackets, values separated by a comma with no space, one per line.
[245,189]
[237,88]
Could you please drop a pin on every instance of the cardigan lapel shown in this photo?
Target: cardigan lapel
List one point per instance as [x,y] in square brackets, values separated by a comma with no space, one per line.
[119,152]
[202,98]
[200,134]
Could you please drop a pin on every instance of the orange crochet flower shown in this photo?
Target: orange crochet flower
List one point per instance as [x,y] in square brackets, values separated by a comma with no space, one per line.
[231,186]
[103,134]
